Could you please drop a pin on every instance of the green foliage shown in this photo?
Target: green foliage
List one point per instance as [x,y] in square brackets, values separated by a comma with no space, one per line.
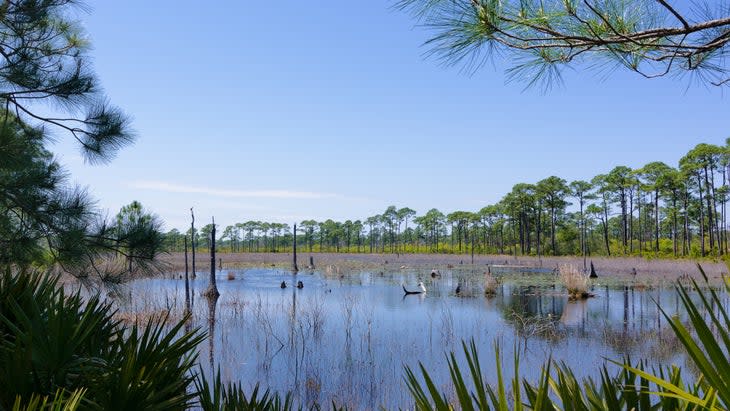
[44,60]
[139,238]
[45,220]
[707,346]
[60,402]
[542,38]
[231,396]
[51,341]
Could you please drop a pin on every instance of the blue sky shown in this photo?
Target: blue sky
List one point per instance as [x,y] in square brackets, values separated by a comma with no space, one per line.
[284,111]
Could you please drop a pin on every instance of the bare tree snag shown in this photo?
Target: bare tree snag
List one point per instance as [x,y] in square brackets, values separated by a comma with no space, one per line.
[212,291]
[294,266]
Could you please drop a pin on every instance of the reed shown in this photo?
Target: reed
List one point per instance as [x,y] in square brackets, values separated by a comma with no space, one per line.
[574,281]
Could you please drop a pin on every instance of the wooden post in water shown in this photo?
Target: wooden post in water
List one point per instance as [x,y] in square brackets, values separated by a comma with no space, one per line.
[212,291]
[311,262]
[294,267]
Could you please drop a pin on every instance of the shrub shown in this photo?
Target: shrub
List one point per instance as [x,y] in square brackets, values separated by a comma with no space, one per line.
[51,341]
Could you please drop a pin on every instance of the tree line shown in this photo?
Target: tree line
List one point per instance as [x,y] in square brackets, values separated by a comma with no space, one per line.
[656,209]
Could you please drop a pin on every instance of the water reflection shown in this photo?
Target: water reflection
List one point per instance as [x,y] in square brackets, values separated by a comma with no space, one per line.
[347,338]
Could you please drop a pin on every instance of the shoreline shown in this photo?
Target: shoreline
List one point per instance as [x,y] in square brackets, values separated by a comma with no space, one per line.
[612,267]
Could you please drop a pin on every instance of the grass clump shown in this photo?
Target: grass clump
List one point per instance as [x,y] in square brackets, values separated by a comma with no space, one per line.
[574,281]
[490,284]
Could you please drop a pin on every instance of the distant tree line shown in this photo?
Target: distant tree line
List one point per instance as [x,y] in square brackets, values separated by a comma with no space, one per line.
[656,210]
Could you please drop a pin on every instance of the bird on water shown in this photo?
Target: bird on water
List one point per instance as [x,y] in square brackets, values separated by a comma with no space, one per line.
[421,289]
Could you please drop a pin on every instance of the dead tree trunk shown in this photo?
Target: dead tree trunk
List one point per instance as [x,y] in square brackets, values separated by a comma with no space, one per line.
[187,280]
[212,291]
[294,267]
[192,239]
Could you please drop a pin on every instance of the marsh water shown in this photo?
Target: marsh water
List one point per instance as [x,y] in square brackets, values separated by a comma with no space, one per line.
[348,337]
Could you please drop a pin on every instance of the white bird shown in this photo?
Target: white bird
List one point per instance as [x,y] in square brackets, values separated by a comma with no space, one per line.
[421,287]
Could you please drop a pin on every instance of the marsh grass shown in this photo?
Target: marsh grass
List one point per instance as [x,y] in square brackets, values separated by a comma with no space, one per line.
[490,284]
[148,315]
[575,282]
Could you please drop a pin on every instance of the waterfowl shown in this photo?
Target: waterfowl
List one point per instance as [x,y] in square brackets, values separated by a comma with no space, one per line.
[283,284]
[300,284]
[422,289]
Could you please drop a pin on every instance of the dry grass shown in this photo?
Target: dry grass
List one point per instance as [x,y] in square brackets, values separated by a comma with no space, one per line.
[574,281]
[146,316]
[490,284]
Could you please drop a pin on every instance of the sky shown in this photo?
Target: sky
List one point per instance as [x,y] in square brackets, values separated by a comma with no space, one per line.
[285,111]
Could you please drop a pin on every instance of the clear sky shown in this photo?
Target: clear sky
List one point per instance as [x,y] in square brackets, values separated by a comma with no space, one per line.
[289,110]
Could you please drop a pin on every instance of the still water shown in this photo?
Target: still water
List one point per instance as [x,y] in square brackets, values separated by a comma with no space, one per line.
[348,338]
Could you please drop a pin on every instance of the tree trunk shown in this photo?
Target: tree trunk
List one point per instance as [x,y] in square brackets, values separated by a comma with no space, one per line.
[674,223]
[718,236]
[212,288]
[294,267]
[641,227]
[624,220]
[631,222]
[685,226]
[605,226]
[702,217]
[187,280]
[192,240]
[553,219]
[708,198]
[539,229]
[656,220]
[582,234]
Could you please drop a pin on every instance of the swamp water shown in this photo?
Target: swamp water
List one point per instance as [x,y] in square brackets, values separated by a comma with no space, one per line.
[348,337]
